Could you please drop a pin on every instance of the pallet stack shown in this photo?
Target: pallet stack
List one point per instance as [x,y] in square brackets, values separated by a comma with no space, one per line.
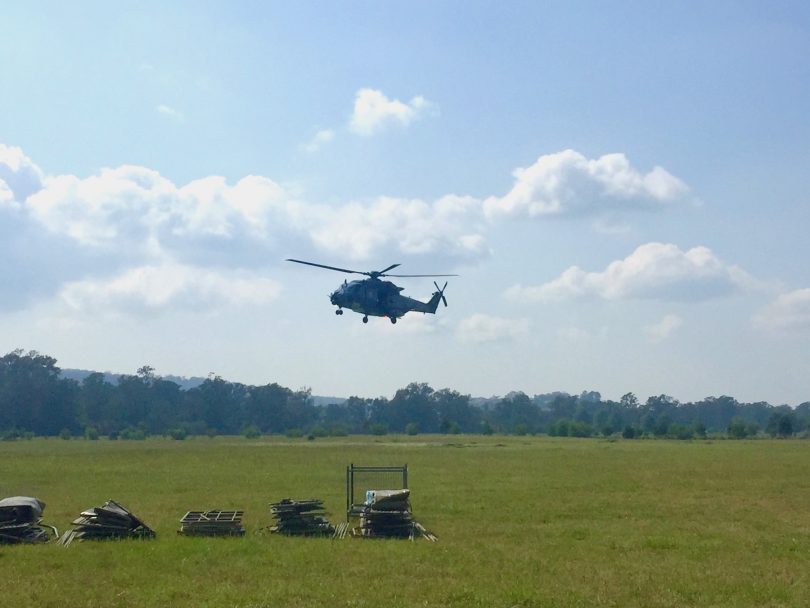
[300,518]
[21,521]
[109,521]
[212,523]
[386,514]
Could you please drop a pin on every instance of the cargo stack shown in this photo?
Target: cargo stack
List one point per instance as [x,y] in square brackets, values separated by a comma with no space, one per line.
[107,522]
[21,521]
[300,518]
[212,523]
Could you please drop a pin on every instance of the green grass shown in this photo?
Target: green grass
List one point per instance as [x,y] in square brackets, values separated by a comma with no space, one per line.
[521,522]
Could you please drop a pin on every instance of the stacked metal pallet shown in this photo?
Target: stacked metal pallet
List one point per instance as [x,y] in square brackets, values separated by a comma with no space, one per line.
[109,521]
[300,518]
[21,521]
[212,523]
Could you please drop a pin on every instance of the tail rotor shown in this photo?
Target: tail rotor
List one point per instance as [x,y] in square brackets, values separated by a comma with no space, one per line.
[441,291]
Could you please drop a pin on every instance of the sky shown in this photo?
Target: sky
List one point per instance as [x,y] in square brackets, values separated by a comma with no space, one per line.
[623,189]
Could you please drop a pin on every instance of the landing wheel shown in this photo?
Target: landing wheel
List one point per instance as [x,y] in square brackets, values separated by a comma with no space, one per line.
[339,311]
[393,319]
[365,319]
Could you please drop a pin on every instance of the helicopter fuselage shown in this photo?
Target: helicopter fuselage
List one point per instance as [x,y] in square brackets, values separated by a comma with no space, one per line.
[378,298]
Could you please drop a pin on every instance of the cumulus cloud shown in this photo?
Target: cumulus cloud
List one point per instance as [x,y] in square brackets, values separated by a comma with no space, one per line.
[790,311]
[373,111]
[568,183]
[658,332]
[149,289]
[653,271]
[56,229]
[319,140]
[481,328]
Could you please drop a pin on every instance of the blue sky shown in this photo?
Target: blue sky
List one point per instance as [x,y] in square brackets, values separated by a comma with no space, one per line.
[623,189]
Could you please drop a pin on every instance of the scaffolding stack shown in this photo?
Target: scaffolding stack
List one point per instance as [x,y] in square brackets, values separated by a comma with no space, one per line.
[300,518]
[109,521]
[212,523]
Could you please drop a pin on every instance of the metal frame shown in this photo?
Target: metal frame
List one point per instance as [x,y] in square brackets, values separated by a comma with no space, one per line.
[354,509]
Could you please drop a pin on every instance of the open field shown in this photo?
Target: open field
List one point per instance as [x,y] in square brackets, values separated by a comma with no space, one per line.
[521,521]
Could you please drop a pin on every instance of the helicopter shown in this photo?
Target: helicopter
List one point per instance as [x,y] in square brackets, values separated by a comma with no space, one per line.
[378,298]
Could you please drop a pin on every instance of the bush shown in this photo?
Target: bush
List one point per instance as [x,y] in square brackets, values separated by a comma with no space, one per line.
[412,429]
[319,431]
[680,431]
[64,434]
[91,433]
[178,434]
[113,436]
[133,434]
[578,428]
[211,432]
[379,429]
[521,429]
[294,433]
[629,432]
[251,431]
[486,428]
[338,431]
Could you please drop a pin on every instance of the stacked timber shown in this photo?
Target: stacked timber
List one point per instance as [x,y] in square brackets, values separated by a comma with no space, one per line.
[21,521]
[300,518]
[212,523]
[109,521]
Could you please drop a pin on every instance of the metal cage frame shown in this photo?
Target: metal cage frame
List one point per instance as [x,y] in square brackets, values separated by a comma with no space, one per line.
[354,509]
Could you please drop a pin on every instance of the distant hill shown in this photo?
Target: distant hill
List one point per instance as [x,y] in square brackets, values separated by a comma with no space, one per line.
[80,374]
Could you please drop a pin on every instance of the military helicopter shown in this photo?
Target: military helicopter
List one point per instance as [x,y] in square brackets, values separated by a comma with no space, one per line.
[378,298]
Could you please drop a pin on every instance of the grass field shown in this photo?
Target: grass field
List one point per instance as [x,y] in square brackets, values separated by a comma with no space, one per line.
[521,521]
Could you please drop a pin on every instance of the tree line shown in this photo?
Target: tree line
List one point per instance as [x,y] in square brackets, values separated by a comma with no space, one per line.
[36,400]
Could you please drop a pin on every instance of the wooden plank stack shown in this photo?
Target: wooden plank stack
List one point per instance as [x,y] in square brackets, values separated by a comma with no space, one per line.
[21,521]
[109,521]
[212,523]
[300,518]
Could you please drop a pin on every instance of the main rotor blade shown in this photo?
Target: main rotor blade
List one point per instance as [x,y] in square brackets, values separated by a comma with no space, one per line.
[325,266]
[382,272]
[420,275]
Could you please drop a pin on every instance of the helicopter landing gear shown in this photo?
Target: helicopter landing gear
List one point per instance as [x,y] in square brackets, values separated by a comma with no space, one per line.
[393,319]
[365,319]
[339,311]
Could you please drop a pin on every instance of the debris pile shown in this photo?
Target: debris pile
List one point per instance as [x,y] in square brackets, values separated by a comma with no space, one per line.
[109,521]
[212,523]
[300,518]
[21,521]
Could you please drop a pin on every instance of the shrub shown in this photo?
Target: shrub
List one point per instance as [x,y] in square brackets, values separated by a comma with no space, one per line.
[412,429]
[91,433]
[251,431]
[294,433]
[64,434]
[486,428]
[178,434]
[338,431]
[379,429]
[629,432]
[133,434]
[319,431]
[521,429]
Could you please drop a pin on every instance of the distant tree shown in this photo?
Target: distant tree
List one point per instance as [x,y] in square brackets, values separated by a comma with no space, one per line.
[412,428]
[737,428]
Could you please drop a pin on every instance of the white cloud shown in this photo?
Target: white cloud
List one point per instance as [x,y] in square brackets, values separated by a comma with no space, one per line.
[481,328]
[790,311]
[150,289]
[19,176]
[568,183]
[170,112]
[658,332]
[373,111]
[653,271]
[320,139]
